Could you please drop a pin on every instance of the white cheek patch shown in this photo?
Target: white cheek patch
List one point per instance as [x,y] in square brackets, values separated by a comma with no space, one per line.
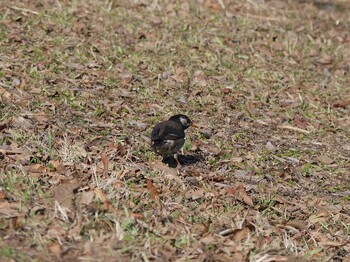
[183,121]
[169,143]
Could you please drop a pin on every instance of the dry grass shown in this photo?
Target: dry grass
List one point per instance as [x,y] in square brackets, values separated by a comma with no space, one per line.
[83,82]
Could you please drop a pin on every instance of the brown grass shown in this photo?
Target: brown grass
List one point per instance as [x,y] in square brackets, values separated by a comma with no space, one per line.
[83,82]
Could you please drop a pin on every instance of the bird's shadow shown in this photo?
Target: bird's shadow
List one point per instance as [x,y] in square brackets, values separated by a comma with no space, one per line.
[185,160]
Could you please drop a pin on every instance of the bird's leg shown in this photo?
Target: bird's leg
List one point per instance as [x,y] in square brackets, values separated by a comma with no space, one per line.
[178,167]
[177,160]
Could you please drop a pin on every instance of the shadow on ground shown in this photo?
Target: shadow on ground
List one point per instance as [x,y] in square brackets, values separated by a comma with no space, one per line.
[185,160]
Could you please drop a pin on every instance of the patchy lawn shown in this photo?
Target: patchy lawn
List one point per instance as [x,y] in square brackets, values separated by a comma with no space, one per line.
[83,82]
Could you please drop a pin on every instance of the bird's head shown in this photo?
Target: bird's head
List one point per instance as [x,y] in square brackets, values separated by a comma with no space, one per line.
[183,120]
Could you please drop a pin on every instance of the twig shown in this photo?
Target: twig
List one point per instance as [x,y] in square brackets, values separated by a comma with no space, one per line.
[27,10]
[260,17]
[227,232]
[24,10]
[294,129]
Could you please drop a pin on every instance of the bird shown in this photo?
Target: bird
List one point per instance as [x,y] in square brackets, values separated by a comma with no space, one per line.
[168,137]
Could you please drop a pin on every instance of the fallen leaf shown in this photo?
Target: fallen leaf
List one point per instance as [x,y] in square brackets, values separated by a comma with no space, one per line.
[22,123]
[2,195]
[199,79]
[324,59]
[64,194]
[231,191]
[241,234]
[318,217]
[56,231]
[236,159]
[4,124]
[36,168]
[226,90]
[181,74]
[142,126]
[330,243]
[238,256]
[342,103]
[103,198]
[207,240]
[152,189]
[251,108]
[199,229]
[242,195]
[55,248]
[158,165]
[325,159]
[104,159]
[300,121]
[59,167]
[87,197]
[197,194]
[212,5]
[8,210]
[297,224]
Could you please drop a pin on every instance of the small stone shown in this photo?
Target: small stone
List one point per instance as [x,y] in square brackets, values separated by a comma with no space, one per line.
[207,133]
[183,99]
[270,146]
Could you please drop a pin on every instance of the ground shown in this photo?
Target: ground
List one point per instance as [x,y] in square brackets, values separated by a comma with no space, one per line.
[264,178]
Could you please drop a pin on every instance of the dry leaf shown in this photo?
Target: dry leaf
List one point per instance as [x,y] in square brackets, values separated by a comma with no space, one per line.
[104,159]
[64,194]
[158,165]
[55,248]
[153,192]
[56,231]
[242,195]
[325,59]
[199,79]
[103,198]
[297,224]
[181,74]
[325,159]
[2,195]
[23,123]
[8,210]
[197,194]
[238,256]
[300,121]
[240,234]
[236,159]
[87,197]
[251,108]
[141,126]
[231,191]
[215,5]
[342,103]
[207,240]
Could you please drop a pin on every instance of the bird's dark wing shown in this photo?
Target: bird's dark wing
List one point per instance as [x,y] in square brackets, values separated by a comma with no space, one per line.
[167,130]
